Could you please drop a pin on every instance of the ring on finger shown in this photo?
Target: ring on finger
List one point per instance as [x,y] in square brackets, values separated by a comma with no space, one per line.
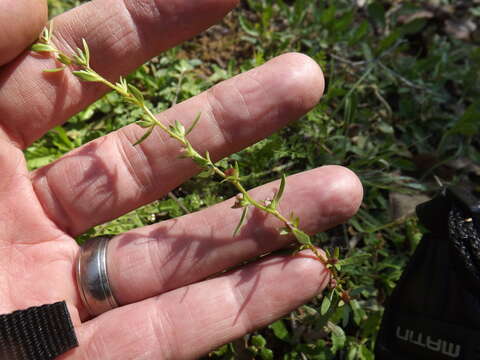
[92,276]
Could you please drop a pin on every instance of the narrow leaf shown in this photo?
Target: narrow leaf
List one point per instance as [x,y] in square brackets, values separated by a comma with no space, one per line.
[49,32]
[64,59]
[242,221]
[124,83]
[197,119]
[345,315]
[237,170]
[86,52]
[62,134]
[199,160]
[326,302]
[45,36]
[295,220]
[179,128]
[80,57]
[43,48]
[145,136]
[122,86]
[86,76]
[247,26]
[54,70]
[144,123]
[207,156]
[301,237]
[279,194]
[137,94]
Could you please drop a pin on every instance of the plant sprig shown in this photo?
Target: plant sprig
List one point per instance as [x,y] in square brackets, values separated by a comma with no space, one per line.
[79,62]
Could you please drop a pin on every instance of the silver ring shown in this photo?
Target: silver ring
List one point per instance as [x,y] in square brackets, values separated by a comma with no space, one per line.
[92,276]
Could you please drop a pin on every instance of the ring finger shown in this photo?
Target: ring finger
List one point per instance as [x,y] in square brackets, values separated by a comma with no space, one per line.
[188,322]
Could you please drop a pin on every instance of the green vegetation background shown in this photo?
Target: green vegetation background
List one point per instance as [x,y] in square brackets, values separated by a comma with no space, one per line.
[401,109]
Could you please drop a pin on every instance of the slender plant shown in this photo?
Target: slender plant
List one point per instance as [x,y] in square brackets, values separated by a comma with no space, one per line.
[79,63]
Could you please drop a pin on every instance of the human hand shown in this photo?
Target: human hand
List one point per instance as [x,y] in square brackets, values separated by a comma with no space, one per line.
[157,273]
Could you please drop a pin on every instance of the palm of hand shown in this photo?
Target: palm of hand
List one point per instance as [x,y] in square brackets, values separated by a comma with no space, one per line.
[36,256]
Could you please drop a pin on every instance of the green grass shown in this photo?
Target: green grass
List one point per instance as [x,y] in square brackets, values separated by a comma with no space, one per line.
[402,102]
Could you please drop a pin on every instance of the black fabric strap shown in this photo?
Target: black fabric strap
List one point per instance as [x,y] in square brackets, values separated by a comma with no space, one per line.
[37,333]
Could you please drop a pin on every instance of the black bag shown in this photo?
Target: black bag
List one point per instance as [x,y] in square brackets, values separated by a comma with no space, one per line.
[434,311]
